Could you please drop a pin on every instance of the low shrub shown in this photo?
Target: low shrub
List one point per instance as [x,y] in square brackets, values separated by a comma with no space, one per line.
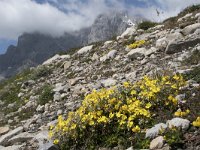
[145,25]
[174,137]
[193,59]
[46,95]
[190,9]
[117,116]
[193,75]
[42,71]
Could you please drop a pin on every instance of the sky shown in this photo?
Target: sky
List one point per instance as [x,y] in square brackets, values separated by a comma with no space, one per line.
[54,17]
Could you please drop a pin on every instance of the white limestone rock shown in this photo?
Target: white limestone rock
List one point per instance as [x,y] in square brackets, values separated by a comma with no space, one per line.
[135,53]
[110,55]
[109,82]
[56,58]
[154,131]
[129,31]
[190,29]
[179,123]
[85,49]
[157,143]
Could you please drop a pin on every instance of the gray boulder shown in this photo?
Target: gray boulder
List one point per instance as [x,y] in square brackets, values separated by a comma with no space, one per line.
[22,137]
[13,147]
[4,139]
[180,45]
[190,29]
[43,141]
[135,53]
[61,88]
[110,55]
[85,49]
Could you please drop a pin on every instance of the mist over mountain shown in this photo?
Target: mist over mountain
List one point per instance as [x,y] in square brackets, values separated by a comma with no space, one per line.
[33,48]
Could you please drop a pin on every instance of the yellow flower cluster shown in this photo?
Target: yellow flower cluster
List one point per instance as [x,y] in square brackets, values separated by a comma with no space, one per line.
[136,44]
[127,108]
[196,123]
[180,113]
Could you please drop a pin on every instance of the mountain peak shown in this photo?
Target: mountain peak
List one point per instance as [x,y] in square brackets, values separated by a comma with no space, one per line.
[36,47]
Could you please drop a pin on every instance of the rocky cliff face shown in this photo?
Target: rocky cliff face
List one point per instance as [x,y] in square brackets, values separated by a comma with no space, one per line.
[31,102]
[33,49]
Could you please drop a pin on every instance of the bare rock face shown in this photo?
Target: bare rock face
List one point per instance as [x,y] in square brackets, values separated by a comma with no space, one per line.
[33,49]
[101,28]
[13,147]
[191,29]
[4,139]
[22,137]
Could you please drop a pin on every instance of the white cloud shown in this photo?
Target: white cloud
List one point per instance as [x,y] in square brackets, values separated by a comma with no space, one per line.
[19,16]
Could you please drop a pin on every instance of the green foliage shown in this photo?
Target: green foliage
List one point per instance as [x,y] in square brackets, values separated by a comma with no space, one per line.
[26,113]
[172,21]
[71,51]
[42,71]
[193,74]
[194,58]
[145,25]
[9,94]
[140,142]
[46,95]
[174,137]
[190,9]
[22,76]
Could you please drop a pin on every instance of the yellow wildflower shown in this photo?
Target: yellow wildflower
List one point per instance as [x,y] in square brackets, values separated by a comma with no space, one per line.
[148,105]
[180,113]
[130,124]
[111,115]
[196,123]
[56,141]
[136,129]
[102,119]
[73,126]
[176,77]
[91,123]
[126,84]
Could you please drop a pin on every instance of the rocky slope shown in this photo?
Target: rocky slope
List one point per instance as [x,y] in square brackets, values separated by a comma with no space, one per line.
[33,48]
[32,101]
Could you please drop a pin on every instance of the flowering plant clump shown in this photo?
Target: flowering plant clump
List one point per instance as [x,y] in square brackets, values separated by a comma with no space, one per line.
[180,113]
[136,44]
[196,123]
[107,115]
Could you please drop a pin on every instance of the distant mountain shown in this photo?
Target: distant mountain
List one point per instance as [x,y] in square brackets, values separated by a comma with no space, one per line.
[33,48]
